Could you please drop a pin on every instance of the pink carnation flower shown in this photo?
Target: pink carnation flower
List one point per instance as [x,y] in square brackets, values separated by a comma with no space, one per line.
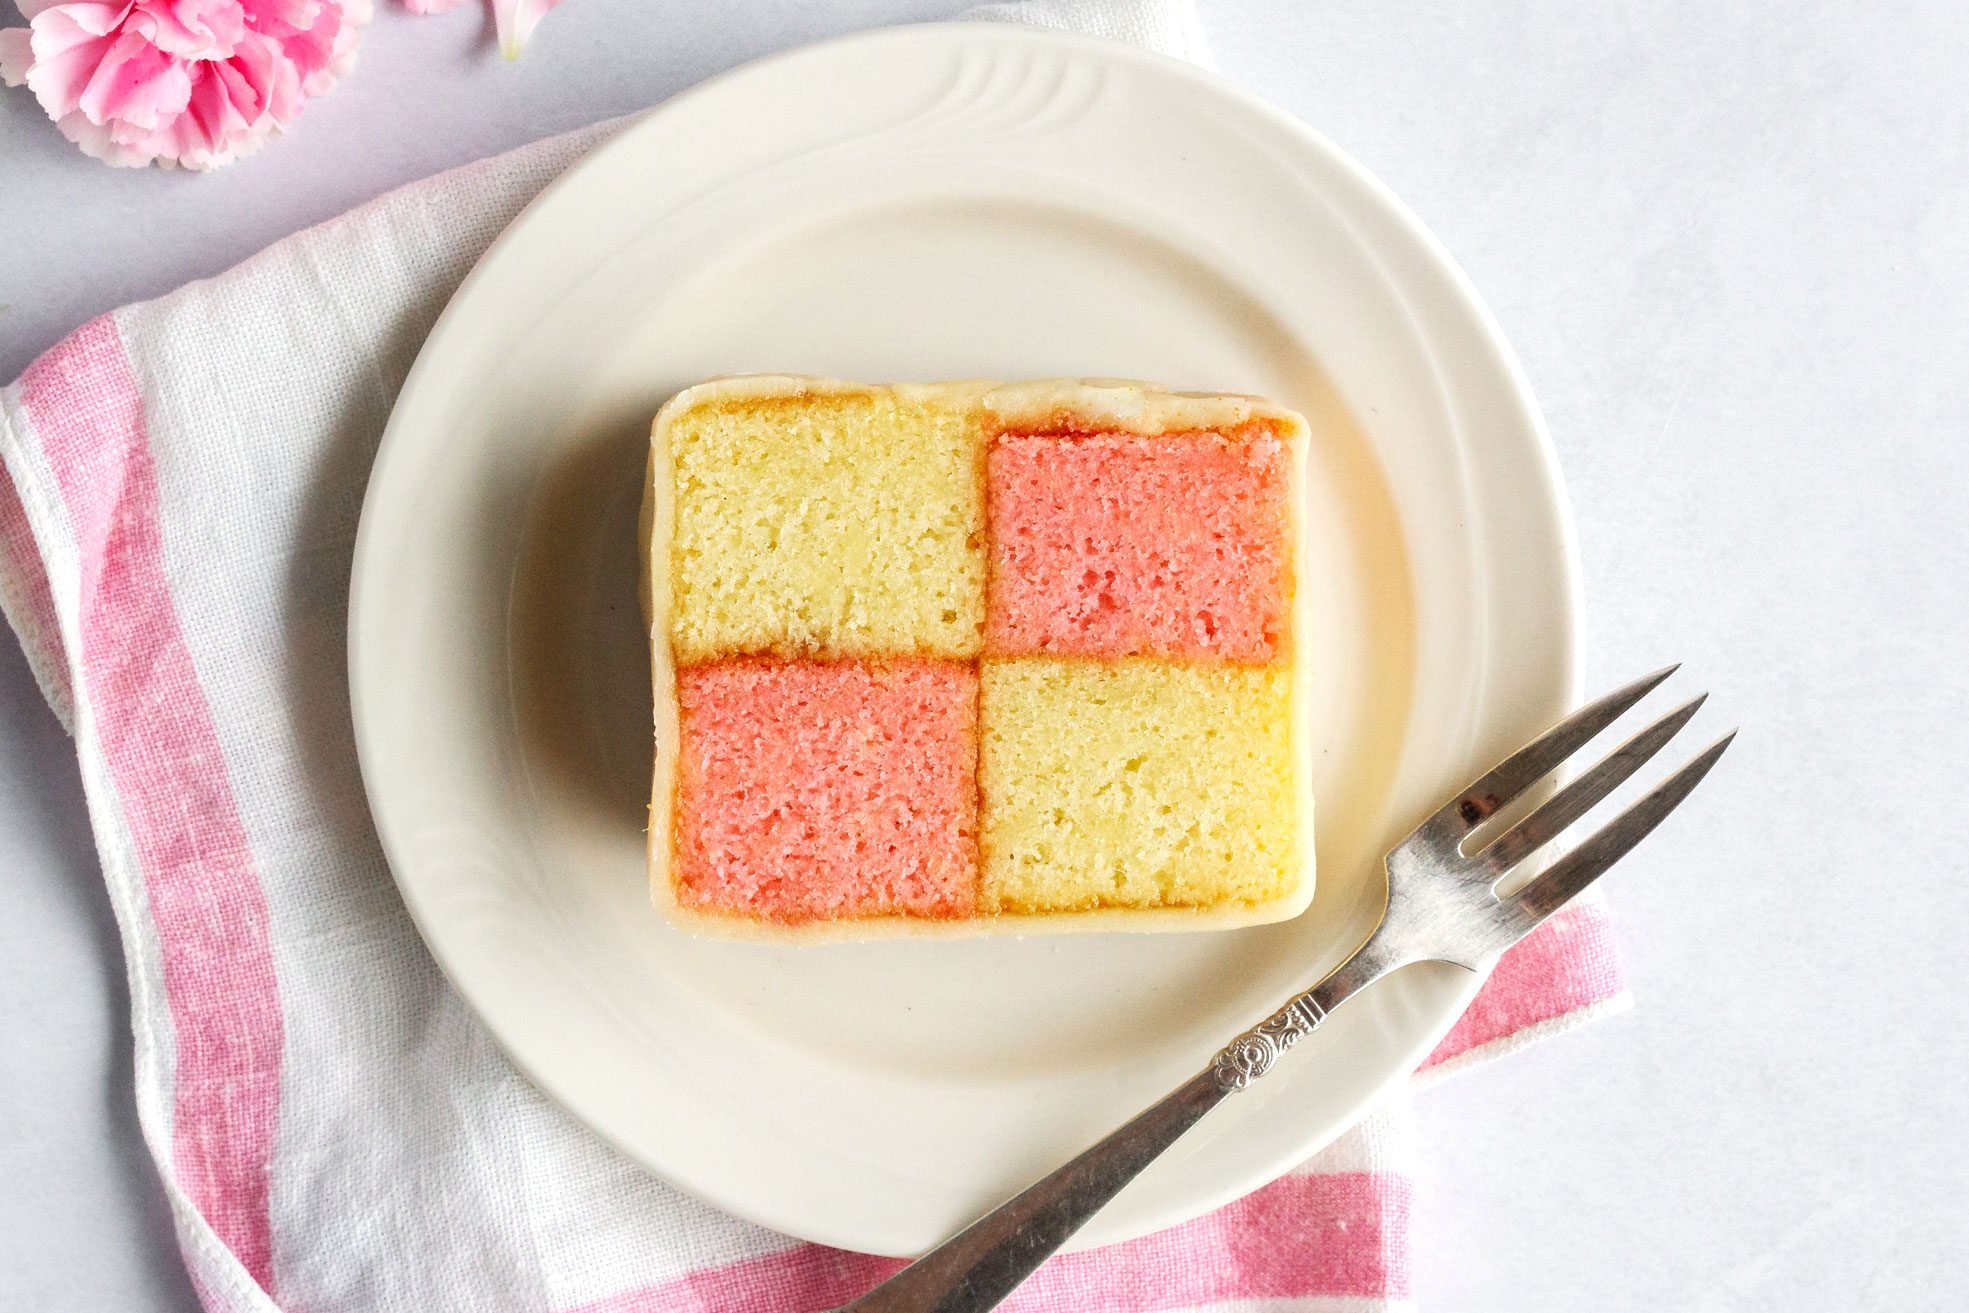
[197,83]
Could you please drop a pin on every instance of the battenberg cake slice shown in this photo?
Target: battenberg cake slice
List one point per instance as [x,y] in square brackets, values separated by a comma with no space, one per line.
[972,658]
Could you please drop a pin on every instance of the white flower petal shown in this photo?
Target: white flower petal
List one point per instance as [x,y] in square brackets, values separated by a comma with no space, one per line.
[515,21]
[96,142]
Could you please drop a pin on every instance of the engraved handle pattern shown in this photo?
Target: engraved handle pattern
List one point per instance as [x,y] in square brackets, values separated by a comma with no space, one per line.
[1252,1054]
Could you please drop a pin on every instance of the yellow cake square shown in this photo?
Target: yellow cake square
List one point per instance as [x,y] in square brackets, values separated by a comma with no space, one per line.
[843,522]
[1138,783]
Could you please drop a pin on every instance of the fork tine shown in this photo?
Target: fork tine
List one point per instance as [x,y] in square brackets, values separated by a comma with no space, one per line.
[1535,760]
[1580,797]
[1554,888]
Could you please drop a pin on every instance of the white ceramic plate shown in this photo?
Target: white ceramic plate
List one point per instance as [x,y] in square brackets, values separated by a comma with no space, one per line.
[923,203]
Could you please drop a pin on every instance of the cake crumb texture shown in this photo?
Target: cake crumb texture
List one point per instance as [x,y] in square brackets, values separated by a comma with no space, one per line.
[1116,545]
[1136,783]
[845,524]
[812,790]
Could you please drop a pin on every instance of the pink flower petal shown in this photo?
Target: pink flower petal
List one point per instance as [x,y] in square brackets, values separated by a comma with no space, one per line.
[261,64]
[89,17]
[356,16]
[246,81]
[65,58]
[136,83]
[225,113]
[191,29]
[64,27]
[97,143]
[516,20]
[311,48]
[212,115]
[283,17]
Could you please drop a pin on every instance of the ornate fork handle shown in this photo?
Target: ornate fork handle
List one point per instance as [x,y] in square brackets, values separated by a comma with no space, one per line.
[980,1265]
[1252,1054]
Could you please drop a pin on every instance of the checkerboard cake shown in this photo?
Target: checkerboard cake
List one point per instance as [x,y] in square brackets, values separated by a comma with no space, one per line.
[967,658]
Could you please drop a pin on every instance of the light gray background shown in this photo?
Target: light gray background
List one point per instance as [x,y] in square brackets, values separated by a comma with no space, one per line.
[1731,246]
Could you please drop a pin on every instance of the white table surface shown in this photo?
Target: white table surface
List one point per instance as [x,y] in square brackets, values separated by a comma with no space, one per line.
[1731,245]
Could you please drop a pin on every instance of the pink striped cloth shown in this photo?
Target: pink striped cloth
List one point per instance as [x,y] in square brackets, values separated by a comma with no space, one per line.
[335,1130]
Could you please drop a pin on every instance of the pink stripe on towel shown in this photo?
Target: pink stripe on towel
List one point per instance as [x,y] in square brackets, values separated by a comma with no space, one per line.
[1566,965]
[163,755]
[1336,1234]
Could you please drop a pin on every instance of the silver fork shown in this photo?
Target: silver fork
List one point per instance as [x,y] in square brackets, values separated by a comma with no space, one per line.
[1443,905]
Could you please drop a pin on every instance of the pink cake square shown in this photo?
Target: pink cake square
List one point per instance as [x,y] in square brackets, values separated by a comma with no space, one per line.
[1115,544]
[811,790]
